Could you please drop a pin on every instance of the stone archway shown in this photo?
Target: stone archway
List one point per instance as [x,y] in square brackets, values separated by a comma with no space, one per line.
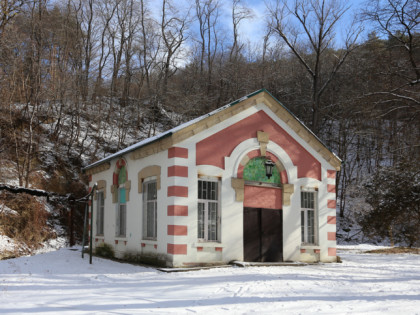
[238,183]
[262,211]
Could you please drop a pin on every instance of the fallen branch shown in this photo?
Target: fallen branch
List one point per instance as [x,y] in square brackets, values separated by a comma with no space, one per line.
[42,193]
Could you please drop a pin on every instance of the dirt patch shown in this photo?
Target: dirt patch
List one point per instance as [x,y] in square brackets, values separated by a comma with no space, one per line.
[395,250]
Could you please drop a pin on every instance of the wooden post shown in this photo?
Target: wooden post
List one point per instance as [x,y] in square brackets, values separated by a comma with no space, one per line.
[85,228]
[91,228]
[71,224]
[91,221]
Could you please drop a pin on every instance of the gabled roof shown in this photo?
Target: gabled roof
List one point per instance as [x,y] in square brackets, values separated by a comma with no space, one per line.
[175,135]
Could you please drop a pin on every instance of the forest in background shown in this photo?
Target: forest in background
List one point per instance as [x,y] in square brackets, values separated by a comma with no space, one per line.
[80,79]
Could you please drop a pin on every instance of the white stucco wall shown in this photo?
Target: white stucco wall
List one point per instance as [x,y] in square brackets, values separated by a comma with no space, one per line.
[231,245]
[132,243]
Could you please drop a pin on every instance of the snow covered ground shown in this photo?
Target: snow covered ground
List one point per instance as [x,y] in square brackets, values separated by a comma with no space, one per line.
[61,282]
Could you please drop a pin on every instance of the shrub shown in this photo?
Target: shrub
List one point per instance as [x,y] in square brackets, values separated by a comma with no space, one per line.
[105,250]
[394,196]
[147,259]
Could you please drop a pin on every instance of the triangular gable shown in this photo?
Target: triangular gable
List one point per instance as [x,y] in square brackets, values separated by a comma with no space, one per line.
[178,134]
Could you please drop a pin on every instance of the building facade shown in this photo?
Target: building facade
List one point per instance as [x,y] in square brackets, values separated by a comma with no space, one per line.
[198,194]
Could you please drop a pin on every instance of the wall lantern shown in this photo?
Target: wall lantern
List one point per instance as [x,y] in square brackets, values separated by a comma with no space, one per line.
[269,164]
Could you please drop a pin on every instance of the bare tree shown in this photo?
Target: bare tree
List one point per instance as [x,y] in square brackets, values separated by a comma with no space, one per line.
[106,10]
[207,13]
[148,46]
[85,14]
[173,28]
[308,28]
[8,10]
[132,28]
[239,13]
[400,21]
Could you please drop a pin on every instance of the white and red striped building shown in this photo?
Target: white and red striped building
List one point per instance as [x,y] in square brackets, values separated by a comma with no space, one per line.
[198,194]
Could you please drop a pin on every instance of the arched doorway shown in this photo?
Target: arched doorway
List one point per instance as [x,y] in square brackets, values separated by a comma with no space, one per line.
[263,219]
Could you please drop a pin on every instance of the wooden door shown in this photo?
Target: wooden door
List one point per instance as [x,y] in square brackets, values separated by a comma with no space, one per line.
[263,235]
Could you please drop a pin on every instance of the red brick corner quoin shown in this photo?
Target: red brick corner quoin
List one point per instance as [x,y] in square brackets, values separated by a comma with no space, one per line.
[177,210]
[177,249]
[178,152]
[177,230]
[177,191]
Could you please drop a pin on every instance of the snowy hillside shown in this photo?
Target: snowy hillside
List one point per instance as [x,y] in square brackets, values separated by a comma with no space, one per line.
[62,283]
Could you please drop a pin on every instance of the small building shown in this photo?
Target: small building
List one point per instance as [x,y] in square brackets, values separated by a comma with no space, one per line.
[198,194]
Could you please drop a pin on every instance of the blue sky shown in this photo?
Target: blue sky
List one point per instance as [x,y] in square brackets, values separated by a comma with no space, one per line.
[253,30]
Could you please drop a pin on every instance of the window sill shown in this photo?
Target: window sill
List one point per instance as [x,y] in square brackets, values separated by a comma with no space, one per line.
[310,246]
[207,244]
[149,241]
[121,238]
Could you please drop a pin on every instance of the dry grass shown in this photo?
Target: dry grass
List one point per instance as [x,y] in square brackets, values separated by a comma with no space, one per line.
[30,225]
[395,250]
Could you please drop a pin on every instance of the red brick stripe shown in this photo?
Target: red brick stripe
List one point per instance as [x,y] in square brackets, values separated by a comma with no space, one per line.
[331,173]
[176,210]
[177,191]
[331,204]
[176,170]
[331,188]
[178,152]
[177,249]
[331,220]
[332,251]
[331,236]
[177,230]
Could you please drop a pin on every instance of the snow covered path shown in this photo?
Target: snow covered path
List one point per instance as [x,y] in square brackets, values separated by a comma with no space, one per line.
[62,283]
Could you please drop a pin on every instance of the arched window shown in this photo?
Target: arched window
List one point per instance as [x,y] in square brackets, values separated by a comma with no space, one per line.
[122,203]
[99,197]
[254,171]
[149,184]
[120,195]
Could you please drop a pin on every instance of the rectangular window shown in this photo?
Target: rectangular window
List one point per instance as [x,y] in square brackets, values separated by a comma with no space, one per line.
[100,213]
[121,213]
[150,209]
[208,216]
[307,217]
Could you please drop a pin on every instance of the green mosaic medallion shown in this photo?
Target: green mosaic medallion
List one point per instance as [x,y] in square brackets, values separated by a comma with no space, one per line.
[255,171]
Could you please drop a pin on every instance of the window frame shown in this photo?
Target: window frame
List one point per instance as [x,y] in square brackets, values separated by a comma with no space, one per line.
[100,213]
[206,203]
[121,208]
[308,238]
[146,202]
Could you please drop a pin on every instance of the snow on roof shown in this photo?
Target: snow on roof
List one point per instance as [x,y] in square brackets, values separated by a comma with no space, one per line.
[191,122]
